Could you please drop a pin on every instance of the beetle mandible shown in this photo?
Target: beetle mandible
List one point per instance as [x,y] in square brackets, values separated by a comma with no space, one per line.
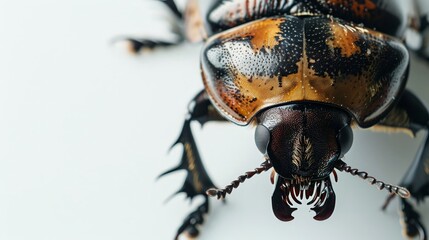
[304,72]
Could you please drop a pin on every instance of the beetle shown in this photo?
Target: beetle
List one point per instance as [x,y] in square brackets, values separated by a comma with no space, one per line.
[304,72]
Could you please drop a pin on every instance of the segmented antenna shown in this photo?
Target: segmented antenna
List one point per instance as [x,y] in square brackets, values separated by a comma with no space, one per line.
[400,191]
[221,193]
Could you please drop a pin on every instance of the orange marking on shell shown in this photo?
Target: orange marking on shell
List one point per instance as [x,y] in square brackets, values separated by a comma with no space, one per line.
[247,97]
[258,33]
[348,91]
[344,38]
[243,94]
[264,29]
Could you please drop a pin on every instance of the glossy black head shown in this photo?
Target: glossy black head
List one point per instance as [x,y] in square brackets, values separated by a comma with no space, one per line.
[303,141]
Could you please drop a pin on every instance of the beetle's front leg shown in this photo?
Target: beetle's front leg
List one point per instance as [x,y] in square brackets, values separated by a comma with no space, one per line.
[412,116]
[197,181]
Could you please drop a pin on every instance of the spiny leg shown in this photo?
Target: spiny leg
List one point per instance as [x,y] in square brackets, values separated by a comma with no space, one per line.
[412,116]
[197,181]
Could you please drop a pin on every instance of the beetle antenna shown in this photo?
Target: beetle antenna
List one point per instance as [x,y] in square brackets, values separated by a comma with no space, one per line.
[221,193]
[393,189]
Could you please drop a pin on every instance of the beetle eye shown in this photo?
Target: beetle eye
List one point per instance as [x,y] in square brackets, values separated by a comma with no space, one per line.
[262,138]
[345,139]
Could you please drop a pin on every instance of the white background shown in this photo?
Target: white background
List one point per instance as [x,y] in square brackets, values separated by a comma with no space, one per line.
[85,130]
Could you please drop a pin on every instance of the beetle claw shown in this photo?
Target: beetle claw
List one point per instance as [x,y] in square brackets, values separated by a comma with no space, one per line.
[281,204]
[322,192]
[326,204]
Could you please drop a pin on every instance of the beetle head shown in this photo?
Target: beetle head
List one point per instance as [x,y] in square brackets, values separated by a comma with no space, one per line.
[303,142]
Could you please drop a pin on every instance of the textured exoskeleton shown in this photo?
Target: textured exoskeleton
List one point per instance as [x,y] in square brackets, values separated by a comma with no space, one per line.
[304,72]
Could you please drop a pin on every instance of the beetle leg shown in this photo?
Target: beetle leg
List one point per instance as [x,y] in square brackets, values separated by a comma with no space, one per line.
[412,226]
[418,32]
[173,7]
[197,181]
[423,7]
[411,115]
[189,26]
[137,45]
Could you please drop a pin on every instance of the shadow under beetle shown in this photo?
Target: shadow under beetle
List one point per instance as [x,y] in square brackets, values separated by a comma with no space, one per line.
[304,72]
